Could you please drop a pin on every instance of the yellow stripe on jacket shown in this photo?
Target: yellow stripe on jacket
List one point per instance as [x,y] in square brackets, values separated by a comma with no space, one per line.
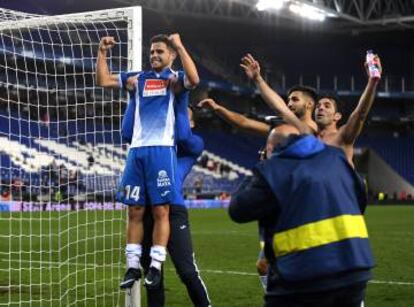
[319,233]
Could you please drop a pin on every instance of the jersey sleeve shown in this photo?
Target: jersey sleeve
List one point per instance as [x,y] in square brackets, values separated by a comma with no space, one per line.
[123,78]
[127,126]
[192,147]
[182,121]
[182,78]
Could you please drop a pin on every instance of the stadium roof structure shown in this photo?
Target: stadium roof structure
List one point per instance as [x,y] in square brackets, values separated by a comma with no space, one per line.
[345,15]
[342,15]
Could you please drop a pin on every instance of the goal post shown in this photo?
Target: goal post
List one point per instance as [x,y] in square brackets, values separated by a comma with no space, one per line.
[62,234]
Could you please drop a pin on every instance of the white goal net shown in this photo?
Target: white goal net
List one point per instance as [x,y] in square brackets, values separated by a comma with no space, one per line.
[61,154]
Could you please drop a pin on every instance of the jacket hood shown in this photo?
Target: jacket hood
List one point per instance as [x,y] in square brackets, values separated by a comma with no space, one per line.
[299,146]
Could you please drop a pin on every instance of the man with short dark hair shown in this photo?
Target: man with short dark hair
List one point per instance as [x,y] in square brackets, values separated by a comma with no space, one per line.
[325,115]
[328,114]
[150,173]
[316,240]
[306,90]
[301,100]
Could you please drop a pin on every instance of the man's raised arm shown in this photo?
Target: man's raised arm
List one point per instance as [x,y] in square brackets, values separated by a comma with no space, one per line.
[103,76]
[235,119]
[192,78]
[351,130]
[252,69]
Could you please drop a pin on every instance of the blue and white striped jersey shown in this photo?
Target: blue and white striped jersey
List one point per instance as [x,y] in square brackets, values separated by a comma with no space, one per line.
[150,119]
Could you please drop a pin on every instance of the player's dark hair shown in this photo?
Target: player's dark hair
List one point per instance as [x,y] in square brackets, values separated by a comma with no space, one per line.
[338,104]
[162,38]
[307,90]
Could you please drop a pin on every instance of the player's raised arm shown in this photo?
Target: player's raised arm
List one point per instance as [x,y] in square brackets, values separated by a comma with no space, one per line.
[104,77]
[351,130]
[192,79]
[235,119]
[252,69]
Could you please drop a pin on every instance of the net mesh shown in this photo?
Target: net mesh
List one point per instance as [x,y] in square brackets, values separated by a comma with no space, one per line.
[61,231]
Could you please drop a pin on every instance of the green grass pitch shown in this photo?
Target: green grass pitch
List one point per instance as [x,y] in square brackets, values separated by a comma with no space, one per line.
[76,259]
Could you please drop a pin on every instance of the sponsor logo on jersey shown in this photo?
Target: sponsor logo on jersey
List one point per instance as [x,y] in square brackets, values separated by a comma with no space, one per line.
[163,180]
[155,87]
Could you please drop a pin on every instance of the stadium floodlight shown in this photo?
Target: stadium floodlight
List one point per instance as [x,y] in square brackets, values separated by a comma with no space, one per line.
[297,7]
[307,11]
[270,4]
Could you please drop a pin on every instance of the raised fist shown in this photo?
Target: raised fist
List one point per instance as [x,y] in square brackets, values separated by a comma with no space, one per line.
[175,40]
[106,43]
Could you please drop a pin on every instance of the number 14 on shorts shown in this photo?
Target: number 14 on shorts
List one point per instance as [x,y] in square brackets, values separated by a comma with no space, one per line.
[132,192]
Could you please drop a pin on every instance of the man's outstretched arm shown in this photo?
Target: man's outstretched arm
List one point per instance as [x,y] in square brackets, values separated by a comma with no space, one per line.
[351,130]
[252,69]
[189,66]
[235,119]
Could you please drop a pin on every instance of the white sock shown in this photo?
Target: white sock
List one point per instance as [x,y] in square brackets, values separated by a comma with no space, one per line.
[158,254]
[133,252]
[156,264]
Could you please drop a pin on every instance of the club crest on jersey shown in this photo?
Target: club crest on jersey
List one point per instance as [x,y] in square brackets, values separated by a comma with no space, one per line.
[155,87]
[163,180]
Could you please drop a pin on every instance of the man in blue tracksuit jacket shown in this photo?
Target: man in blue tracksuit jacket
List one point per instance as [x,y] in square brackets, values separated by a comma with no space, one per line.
[311,202]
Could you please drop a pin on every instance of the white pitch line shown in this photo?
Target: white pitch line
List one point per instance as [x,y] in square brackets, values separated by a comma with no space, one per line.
[56,264]
[400,283]
[228,272]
